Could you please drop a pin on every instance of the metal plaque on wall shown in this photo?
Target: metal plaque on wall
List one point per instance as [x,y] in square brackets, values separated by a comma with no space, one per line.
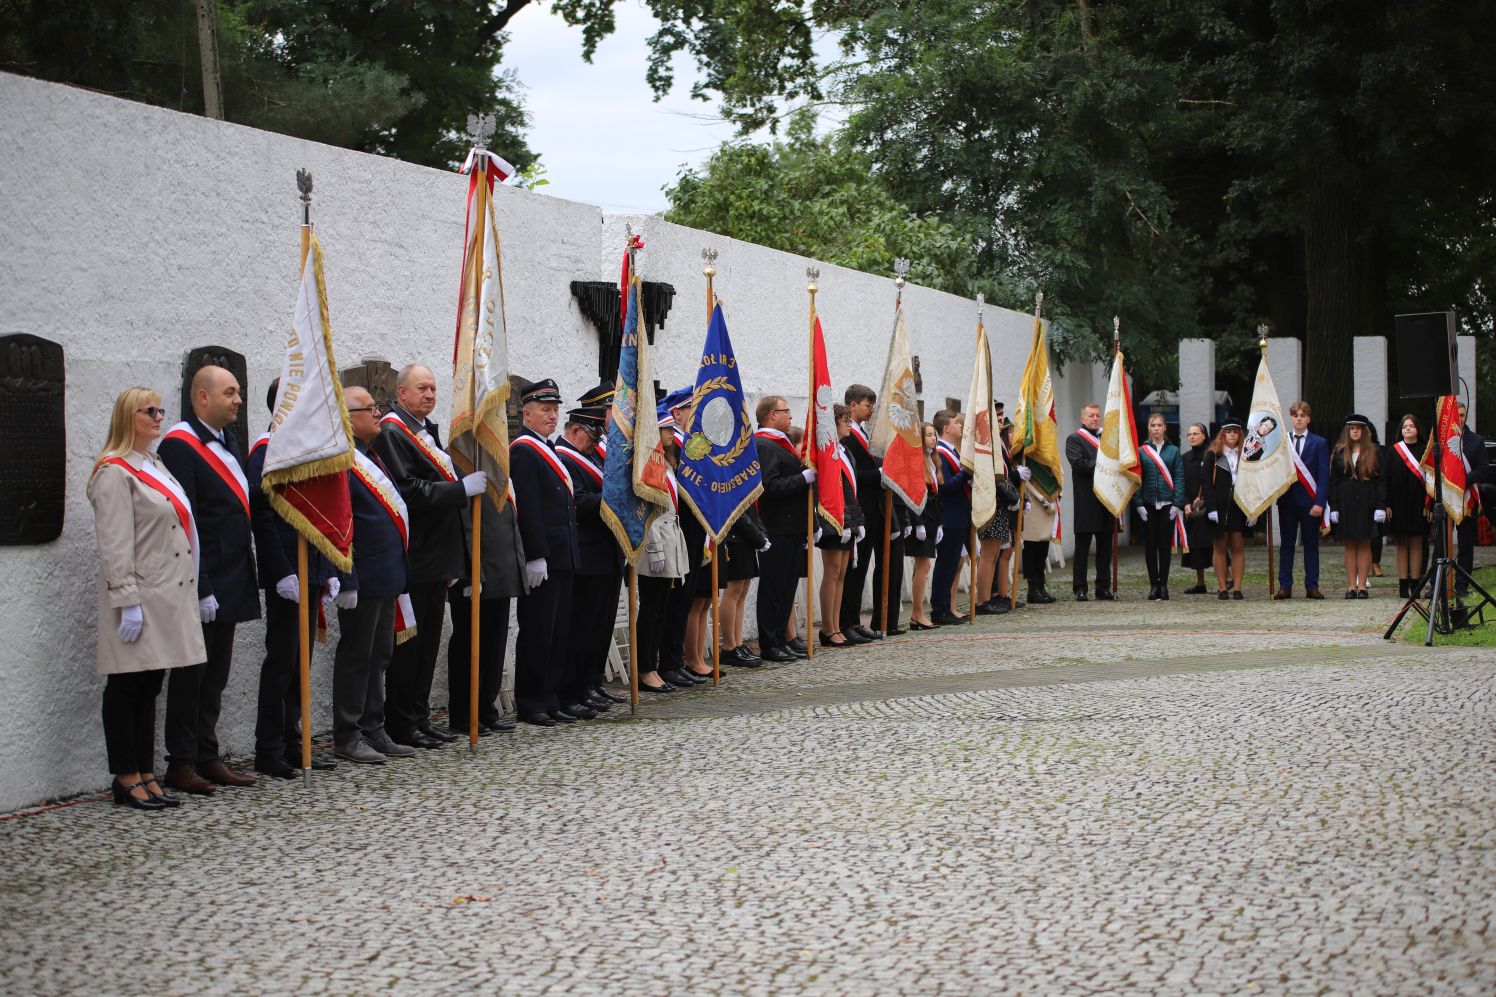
[375,376]
[253,408]
[33,440]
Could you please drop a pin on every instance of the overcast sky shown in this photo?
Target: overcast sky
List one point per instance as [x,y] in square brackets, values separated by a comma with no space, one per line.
[601,138]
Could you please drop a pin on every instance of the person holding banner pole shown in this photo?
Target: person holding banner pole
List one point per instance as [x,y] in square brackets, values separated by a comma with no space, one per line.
[782,508]
[1159,502]
[1090,519]
[1477,471]
[1407,497]
[955,508]
[1301,509]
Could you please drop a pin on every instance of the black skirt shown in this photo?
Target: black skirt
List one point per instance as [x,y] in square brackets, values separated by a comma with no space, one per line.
[1406,495]
[739,562]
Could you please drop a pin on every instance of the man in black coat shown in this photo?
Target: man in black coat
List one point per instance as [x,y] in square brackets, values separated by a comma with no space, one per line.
[543,490]
[1478,464]
[871,495]
[1092,524]
[409,446]
[206,463]
[782,507]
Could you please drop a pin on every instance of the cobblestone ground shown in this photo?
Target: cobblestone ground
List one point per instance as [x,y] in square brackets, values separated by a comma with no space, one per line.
[1184,797]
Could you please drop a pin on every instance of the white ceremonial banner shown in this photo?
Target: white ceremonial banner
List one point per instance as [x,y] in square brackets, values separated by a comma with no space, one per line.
[1266,469]
[1118,472]
[977,449]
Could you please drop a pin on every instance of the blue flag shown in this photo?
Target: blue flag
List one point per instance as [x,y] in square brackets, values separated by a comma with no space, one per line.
[719,471]
[635,476]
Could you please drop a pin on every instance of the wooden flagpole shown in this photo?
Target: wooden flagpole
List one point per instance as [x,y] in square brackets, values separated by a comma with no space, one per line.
[710,270]
[814,274]
[900,268]
[303,599]
[480,128]
[1116,522]
[629,249]
[971,546]
[1267,514]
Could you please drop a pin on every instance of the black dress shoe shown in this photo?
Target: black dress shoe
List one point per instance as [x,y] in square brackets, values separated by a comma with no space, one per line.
[895,632]
[1238,594]
[278,768]
[1223,595]
[991,608]
[741,653]
[605,694]
[537,719]
[1081,596]
[562,717]
[851,636]
[1105,595]
[1196,590]
[501,727]
[679,678]
[1163,592]
[780,655]
[797,645]
[1152,593]
[747,659]
[1039,597]
[945,618]
[319,762]
[436,733]
[825,640]
[124,797]
[664,687]
[866,634]
[597,703]
[582,711]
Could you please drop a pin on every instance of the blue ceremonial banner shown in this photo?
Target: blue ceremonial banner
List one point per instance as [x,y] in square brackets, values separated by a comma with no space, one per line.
[635,474]
[719,471]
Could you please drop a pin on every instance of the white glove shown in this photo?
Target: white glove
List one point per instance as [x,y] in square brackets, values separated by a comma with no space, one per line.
[657,565]
[809,474]
[1013,507]
[208,608]
[846,535]
[1213,516]
[1334,516]
[1174,512]
[131,622]
[288,588]
[919,532]
[1380,516]
[347,599]
[536,573]
[475,483]
[766,545]
[1252,522]
[332,587]
[862,532]
[1024,472]
[1143,513]
[818,535]
[939,534]
[467,591]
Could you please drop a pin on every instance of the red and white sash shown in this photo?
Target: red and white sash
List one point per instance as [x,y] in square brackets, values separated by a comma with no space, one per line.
[953,462]
[602,448]
[1305,478]
[1158,463]
[847,470]
[775,436]
[218,459]
[548,455]
[436,456]
[161,481]
[580,461]
[1085,434]
[1416,469]
[388,496]
[861,437]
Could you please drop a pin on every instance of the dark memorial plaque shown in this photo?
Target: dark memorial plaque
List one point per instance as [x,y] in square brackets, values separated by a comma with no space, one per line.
[512,406]
[375,376]
[33,440]
[222,356]
[598,300]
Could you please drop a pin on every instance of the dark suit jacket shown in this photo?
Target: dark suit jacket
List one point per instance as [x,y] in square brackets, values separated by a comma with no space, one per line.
[379,568]
[275,539]
[597,548]
[1090,515]
[547,513]
[955,494]
[436,551]
[870,491]
[226,567]
[782,504]
[1316,458]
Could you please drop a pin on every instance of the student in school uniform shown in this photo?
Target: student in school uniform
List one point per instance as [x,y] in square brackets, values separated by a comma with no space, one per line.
[1358,500]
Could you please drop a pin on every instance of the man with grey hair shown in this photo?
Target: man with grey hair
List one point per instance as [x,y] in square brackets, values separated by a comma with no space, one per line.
[410,448]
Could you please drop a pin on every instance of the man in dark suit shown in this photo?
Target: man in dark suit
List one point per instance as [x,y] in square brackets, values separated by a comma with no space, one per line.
[955,513]
[871,495]
[409,446]
[1092,523]
[278,717]
[1300,508]
[782,507]
[204,460]
[367,617]
[1477,470]
[547,513]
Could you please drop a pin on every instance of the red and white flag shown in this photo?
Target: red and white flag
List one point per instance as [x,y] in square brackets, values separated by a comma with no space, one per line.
[897,433]
[1118,468]
[311,444]
[821,442]
[1452,461]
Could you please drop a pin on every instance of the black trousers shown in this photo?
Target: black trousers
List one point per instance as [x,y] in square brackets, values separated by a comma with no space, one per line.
[1158,534]
[947,564]
[1465,537]
[278,711]
[596,600]
[366,639]
[194,698]
[1035,561]
[545,621]
[778,578]
[677,609]
[407,701]
[887,618]
[856,581]
[651,620]
[493,641]
[130,720]
[1083,543]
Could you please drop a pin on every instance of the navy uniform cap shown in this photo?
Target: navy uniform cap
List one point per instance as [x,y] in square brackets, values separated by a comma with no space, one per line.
[1231,422]
[677,398]
[540,391]
[602,394]
[1356,419]
[591,415]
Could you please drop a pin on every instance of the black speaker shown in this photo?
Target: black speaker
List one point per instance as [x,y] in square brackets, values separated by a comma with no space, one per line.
[1426,362]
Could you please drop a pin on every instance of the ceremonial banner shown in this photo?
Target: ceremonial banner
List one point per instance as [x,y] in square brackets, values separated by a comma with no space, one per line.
[635,480]
[978,455]
[479,432]
[820,440]
[1036,432]
[311,444]
[719,471]
[1118,473]
[1266,469]
[896,435]
[1451,459]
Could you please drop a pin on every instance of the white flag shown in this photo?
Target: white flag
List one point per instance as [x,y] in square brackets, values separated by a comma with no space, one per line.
[1266,469]
[1118,471]
[980,446]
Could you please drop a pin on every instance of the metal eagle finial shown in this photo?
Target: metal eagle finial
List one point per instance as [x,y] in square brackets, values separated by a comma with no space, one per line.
[814,274]
[480,128]
[710,256]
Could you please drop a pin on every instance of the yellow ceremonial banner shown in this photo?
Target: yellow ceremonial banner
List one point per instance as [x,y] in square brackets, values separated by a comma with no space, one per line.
[1036,436]
[1118,473]
[1266,469]
[980,449]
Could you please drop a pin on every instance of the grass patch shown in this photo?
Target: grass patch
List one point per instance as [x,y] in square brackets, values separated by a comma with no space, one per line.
[1414,628]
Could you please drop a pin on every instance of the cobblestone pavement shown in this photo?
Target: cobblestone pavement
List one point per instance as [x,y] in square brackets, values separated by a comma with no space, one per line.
[1075,799]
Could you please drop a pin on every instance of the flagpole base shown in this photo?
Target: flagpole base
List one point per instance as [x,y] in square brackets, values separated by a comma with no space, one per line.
[306,778]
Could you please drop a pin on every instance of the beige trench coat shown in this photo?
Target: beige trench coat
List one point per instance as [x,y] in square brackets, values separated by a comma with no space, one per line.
[1038,524]
[145,559]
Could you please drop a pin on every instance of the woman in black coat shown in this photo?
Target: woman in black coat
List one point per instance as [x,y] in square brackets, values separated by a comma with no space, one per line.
[1197,442]
[1358,500]
[1408,500]
[838,545]
[735,572]
[921,546]
[1229,527]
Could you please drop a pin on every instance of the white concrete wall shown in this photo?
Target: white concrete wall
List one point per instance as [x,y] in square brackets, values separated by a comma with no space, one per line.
[136,233]
[1467,388]
[1197,381]
[1285,361]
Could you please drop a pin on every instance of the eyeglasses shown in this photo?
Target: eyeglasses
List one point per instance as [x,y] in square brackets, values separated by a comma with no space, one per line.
[781,410]
[364,408]
[153,411]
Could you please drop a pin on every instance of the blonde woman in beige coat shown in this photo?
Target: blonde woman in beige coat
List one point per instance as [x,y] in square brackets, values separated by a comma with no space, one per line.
[148,614]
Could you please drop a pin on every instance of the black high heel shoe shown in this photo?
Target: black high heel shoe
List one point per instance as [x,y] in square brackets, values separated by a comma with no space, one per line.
[124,797]
[916,625]
[158,793]
[826,640]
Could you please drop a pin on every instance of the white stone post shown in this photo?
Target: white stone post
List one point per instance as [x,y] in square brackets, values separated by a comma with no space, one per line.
[1465,391]
[1285,361]
[1369,382]
[1197,381]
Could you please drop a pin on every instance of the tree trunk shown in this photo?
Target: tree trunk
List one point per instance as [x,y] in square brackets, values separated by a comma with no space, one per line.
[207,43]
[1341,285]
